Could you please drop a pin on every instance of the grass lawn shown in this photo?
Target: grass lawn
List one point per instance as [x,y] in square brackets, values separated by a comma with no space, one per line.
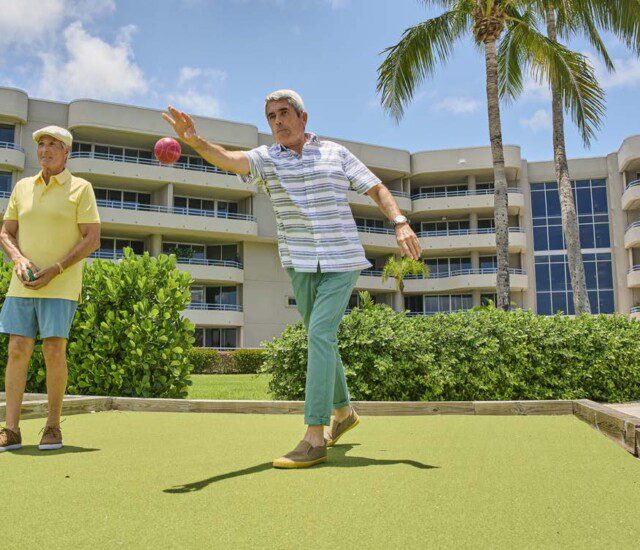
[229,386]
[180,480]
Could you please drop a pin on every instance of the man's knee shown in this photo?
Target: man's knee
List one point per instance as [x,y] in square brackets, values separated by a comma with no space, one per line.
[20,347]
[54,350]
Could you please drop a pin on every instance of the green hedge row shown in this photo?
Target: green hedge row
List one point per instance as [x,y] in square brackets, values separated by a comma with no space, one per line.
[211,361]
[128,337]
[482,354]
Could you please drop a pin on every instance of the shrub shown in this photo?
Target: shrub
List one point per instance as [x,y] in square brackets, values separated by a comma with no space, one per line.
[211,361]
[205,361]
[247,361]
[483,354]
[128,337]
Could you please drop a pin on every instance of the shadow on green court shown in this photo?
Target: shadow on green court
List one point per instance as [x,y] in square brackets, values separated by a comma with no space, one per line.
[32,450]
[337,459]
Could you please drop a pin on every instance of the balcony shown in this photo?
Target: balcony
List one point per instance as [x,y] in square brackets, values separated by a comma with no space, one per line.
[122,167]
[403,200]
[462,202]
[371,279]
[11,156]
[631,196]
[632,235]
[205,270]
[633,277]
[635,312]
[205,314]
[466,240]
[629,154]
[14,104]
[469,160]
[463,279]
[176,221]
[378,239]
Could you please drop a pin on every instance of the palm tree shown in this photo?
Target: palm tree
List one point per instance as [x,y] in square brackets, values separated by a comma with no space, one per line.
[425,45]
[563,18]
[400,268]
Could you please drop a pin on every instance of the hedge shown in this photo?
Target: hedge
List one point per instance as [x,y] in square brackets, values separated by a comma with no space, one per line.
[211,361]
[128,337]
[482,354]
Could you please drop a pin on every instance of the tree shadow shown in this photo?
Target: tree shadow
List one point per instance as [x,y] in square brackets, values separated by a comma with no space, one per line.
[32,450]
[337,459]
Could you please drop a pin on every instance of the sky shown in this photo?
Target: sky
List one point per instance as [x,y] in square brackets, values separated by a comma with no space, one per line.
[219,58]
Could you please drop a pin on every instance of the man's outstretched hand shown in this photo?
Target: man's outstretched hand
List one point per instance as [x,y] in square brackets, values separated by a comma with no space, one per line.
[182,124]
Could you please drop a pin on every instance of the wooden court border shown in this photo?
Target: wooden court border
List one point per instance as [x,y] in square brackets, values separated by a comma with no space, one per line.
[620,427]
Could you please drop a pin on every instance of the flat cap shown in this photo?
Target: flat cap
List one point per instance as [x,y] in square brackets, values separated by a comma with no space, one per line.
[56,132]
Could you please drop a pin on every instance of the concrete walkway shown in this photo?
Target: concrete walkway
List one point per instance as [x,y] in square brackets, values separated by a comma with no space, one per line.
[629,408]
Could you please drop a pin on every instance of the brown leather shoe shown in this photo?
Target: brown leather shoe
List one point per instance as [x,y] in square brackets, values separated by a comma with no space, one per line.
[51,439]
[10,440]
[303,456]
[338,429]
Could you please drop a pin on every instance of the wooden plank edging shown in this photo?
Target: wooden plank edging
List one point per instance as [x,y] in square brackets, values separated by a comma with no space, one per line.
[75,405]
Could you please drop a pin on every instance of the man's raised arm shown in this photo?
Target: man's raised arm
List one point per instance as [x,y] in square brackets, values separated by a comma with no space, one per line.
[231,161]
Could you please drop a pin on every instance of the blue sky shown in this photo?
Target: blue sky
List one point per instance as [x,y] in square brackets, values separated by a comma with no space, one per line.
[220,57]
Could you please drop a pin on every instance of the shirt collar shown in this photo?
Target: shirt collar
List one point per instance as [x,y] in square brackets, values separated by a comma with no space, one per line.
[311,139]
[61,178]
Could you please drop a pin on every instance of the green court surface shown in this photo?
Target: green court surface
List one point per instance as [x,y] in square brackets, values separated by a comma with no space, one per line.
[187,480]
[229,386]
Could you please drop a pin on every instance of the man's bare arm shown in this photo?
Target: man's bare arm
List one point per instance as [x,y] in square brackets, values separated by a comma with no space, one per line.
[407,240]
[9,242]
[231,161]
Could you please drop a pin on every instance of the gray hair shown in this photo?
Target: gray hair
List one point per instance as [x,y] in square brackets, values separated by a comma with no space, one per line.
[292,97]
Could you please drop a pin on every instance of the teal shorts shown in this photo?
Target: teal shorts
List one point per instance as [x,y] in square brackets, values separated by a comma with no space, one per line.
[49,317]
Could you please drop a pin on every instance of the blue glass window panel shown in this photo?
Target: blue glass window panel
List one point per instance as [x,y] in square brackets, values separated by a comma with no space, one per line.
[553,203]
[544,303]
[7,133]
[586,236]
[558,281]
[583,205]
[540,238]
[605,276]
[555,238]
[602,236]
[5,181]
[431,304]
[538,206]
[599,200]
[570,307]
[593,300]
[551,186]
[583,183]
[543,281]
[605,301]
[557,259]
[559,301]
[539,221]
[443,303]
[590,274]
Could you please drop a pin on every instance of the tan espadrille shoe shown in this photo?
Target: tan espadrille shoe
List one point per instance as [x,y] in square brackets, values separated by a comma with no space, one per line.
[303,456]
[10,440]
[338,429]
[51,439]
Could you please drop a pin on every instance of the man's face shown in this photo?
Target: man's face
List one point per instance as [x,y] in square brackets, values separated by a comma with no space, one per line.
[286,125]
[51,154]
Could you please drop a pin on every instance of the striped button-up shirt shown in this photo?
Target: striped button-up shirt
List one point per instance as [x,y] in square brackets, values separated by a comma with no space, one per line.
[309,196]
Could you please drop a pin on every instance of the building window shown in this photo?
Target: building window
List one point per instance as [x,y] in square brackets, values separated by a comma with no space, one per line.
[124,198]
[222,295]
[109,245]
[445,225]
[7,133]
[5,181]
[216,337]
[291,301]
[438,303]
[369,222]
[488,298]
[206,205]
[447,265]
[487,223]
[443,190]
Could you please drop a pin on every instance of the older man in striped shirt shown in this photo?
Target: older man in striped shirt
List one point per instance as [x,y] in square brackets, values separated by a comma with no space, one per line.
[307,180]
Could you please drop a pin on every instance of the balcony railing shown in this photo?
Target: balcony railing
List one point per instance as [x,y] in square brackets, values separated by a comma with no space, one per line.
[380,230]
[5,194]
[125,205]
[371,272]
[217,307]
[107,254]
[400,193]
[634,268]
[632,225]
[633,183]
[149,162]
[206,261]
[11,145]
[452,232]
[635,309]
[455,272]
[441,194]
[423,313]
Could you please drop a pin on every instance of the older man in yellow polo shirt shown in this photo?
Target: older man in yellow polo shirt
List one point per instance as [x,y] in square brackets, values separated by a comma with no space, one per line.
[50,226]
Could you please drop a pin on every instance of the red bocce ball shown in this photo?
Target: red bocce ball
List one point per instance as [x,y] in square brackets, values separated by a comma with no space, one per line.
[167,150]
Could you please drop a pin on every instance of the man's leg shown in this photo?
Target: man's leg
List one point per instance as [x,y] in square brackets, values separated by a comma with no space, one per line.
[55,358]
[20,351]
[324,364]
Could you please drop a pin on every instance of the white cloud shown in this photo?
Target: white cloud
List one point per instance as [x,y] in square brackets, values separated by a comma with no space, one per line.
[457,105]
[626,75]
[535,91]
[198,89]
[91,67]
[541,120]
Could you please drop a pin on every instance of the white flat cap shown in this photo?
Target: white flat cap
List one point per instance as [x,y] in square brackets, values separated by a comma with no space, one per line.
[56,132]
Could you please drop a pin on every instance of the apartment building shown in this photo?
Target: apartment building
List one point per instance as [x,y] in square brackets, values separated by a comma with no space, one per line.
[224,233]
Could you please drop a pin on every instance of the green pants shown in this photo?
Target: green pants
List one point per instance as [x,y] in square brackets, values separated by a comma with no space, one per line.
[322,299]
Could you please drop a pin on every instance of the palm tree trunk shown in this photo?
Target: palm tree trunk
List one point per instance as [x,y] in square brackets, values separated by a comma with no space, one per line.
[500,179]
[567,205]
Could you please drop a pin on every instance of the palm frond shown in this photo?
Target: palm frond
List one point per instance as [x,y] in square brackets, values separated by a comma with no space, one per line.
[416,57]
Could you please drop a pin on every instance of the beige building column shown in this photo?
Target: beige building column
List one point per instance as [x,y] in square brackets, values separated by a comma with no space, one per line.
[476,297]
[471,182]
[164,196]
[155,245]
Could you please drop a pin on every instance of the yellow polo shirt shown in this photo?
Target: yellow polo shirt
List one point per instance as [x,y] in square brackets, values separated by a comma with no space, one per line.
[48,216]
